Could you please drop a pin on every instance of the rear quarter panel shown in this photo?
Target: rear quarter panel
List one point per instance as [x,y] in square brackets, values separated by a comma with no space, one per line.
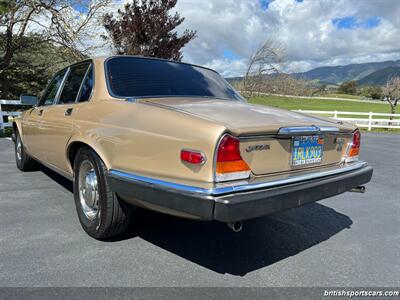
[147,140]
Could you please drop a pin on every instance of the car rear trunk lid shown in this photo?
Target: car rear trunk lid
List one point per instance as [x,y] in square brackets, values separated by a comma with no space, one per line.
[276,154]
[267,134]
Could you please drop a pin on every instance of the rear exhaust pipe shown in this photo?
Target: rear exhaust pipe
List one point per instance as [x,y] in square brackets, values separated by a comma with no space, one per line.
[235,226]
[358,189]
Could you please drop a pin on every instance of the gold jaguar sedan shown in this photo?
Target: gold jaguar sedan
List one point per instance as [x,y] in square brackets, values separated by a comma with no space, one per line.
[177,138]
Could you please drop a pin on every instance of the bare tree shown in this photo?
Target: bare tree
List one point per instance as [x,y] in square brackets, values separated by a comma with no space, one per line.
[55,21]
[265,61]
[286,84]
[391,91]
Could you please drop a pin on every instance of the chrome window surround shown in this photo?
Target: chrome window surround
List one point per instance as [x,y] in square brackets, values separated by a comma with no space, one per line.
[67,69]
[89,70]
[90,65]
[233,187]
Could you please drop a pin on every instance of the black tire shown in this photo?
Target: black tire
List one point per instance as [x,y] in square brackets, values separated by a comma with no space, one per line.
[113,215]
[23,160]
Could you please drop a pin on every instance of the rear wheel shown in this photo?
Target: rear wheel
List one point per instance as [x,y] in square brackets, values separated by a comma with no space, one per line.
[101,213]
[23,160]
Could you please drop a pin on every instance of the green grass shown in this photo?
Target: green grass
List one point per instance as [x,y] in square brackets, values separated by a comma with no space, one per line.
[329,105]
[6,132]
[320,104]
[343,96]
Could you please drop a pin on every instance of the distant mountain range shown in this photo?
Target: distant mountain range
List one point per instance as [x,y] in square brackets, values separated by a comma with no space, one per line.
[380,77]
[373,73]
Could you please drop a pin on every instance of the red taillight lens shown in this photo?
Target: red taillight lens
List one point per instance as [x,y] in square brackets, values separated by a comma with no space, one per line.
[230,165]
[355,145]
[192,157]
[228,149]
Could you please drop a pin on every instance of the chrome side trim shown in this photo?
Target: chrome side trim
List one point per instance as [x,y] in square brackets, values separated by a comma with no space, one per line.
[162,183]
[238,187]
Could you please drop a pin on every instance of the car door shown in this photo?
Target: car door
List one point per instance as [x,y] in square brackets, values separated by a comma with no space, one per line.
[58,121]
[32,128]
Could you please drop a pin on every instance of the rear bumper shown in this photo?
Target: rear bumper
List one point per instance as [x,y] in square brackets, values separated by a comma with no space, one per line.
[236,204]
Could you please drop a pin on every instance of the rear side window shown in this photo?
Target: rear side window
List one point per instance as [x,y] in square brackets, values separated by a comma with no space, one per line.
[72,84]
[87,86]
[50,95]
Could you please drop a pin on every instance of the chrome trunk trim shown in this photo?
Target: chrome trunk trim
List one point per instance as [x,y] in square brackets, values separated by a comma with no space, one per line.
[299,130]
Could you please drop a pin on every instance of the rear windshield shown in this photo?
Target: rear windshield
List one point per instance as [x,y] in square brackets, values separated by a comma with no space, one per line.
[141,77]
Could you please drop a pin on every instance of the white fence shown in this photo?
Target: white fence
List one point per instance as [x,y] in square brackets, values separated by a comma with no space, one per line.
[6,116]
[367,119]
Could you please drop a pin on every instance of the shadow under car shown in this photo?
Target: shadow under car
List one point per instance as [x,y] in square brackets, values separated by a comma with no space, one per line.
[262,242]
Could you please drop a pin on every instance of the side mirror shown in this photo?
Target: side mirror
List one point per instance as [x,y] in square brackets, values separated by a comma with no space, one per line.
[28,99]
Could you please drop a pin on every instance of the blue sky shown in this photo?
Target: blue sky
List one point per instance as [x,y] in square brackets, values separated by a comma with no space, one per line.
[82,6]
[351,22]
[314,32]
[265,3]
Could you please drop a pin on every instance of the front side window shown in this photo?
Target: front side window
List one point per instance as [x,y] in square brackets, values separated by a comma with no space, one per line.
[50,94]
[72,84]
[143,77]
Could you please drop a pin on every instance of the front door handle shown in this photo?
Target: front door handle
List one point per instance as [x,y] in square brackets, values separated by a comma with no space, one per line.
[40,112]
[68,112]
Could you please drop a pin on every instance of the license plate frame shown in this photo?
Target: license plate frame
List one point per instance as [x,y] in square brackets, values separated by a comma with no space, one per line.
[306,150]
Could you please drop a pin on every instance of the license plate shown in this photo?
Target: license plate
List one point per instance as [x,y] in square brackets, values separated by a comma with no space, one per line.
[307,150]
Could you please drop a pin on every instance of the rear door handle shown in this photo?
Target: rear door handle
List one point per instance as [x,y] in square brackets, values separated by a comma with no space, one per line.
[68,112]
[40,112]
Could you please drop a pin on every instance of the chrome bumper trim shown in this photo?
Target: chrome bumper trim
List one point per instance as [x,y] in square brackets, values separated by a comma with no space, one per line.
[240,187]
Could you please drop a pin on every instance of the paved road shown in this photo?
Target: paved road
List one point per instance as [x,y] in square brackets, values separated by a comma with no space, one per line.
[348,240]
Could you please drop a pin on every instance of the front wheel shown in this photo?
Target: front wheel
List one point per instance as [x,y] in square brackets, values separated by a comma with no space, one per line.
[22,159]
[101,213]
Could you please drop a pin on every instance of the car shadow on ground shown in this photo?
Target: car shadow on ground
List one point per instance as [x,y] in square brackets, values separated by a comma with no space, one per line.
[61,180]
[261,243]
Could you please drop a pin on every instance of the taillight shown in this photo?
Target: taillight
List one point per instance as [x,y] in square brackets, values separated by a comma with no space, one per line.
[354,146]
[229,162]
[193,157]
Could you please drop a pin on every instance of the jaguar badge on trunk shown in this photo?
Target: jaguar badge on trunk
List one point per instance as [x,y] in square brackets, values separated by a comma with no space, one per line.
[260,147]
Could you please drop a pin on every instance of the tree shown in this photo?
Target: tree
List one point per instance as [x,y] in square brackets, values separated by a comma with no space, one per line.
[52,21]
[265,62]
[146,28]
[4,6]
[32,67]
[348,87]
[373,92]
[391,91]
[38,37]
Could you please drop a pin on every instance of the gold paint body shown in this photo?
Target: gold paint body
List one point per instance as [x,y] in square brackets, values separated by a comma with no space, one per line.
[146,137]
